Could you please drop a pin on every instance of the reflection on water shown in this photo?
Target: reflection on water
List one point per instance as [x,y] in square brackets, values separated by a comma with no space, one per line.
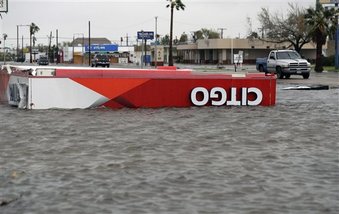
[281,159]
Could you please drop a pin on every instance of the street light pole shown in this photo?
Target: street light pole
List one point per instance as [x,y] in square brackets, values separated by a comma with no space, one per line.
[17,43]
[232,50]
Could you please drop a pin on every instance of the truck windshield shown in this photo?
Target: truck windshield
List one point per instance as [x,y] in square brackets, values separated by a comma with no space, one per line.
[288,55]
[102,57]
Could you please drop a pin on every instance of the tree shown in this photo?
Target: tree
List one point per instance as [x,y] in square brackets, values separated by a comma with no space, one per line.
[42,48]
[322,23]
[205,33]
[183,38]
[5,37]
[33,28]
[253,35]
[178,5]
[210,34]
[278,29]
[164,40]
[198,35]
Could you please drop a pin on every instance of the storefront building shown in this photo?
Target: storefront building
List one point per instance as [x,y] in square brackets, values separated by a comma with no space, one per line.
[220,51]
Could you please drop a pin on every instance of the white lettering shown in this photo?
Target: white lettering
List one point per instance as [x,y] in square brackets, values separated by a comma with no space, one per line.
[215,92]
[218,96]
[259,96]
[244,97]
[204,100]
[233,101]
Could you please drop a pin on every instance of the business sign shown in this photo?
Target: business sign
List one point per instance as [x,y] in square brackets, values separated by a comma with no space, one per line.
[102,48]
[4,6]
[146,35]
[238,58]
[218,96]
[329,1]
[160,54]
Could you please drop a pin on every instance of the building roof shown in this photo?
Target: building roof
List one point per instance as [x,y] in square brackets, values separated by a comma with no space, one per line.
[94,41]
[237,44]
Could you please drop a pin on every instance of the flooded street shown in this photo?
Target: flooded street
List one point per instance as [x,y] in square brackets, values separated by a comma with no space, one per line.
[281,159]
[239,121]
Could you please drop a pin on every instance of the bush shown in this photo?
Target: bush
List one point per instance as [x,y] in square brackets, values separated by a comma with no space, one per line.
[328,61]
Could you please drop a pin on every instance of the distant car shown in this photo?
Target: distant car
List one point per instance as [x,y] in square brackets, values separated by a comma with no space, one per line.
[100,60]
[21,59]
[43,60]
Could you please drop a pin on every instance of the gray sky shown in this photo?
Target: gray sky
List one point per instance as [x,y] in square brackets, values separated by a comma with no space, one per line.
[116,18]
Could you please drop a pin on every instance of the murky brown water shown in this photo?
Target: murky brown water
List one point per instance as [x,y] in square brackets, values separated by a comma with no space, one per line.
[281,159]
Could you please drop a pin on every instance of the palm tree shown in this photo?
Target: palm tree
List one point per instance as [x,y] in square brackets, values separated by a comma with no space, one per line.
[178,5]
[33,28]
[321,23]
[5,37]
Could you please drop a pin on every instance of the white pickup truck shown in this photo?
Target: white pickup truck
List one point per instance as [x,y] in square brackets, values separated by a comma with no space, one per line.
[284,63]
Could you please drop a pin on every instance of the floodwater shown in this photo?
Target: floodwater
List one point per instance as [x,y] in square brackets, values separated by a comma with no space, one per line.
[281,159]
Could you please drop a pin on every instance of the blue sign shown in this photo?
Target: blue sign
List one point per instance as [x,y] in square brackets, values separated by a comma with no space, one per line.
[102,48]
[145,35]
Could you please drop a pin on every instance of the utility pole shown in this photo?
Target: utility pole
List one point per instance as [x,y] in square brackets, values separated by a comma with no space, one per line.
[22,48]
[49,46]
[336,61]
[126,39]
[156,41]
[17,43]
[30,44]
[222,32]
[5,37]
[142,49]
[73,50]
[17,37]
[57,46]
[145,52]
[83,51]
[89,43]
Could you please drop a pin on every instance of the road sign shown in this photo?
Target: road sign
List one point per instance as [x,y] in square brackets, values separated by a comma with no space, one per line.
[4,6]
[146,35]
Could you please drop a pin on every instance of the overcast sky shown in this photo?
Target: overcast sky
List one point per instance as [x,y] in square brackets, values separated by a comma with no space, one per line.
[116,18]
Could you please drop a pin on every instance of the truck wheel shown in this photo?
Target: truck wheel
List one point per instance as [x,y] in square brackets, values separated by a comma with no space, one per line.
[306,76]
[261,68]
[287,76]
[280,74]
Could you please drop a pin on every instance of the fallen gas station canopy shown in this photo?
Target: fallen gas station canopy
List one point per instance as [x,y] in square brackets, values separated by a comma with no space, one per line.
[36,87]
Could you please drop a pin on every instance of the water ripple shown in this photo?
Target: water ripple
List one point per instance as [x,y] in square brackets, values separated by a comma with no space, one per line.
[281,159]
